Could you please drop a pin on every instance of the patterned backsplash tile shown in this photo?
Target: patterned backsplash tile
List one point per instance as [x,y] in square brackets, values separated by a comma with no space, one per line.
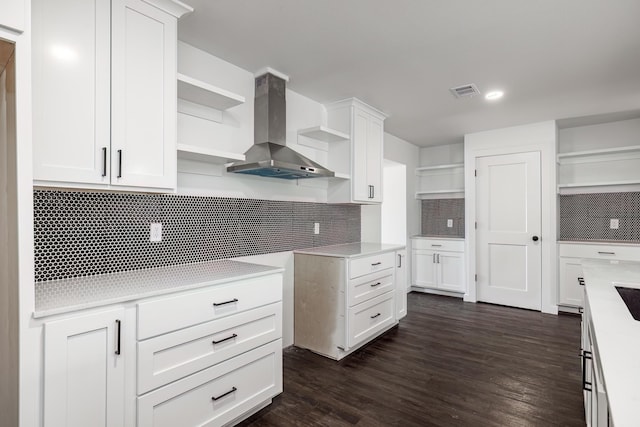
[587,216]
[86,233]
[436,212]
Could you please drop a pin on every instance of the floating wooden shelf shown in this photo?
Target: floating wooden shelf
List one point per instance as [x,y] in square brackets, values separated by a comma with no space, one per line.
[192,152]
[202,93]
[324,134]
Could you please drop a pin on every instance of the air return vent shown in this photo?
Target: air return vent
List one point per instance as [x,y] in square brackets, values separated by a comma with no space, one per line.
[465,91]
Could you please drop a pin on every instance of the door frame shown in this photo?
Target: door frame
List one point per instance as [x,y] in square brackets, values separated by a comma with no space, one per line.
[539,137]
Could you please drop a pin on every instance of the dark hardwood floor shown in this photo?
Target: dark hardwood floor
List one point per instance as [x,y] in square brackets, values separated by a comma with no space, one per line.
[448,363]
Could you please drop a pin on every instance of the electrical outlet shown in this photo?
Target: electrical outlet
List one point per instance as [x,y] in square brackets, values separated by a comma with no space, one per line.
[614,223]
[449,223]
[316,228]
[155,232]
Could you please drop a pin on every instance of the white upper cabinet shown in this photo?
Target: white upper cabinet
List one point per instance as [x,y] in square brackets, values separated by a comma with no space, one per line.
[12,14]
[104,90]
[360,157]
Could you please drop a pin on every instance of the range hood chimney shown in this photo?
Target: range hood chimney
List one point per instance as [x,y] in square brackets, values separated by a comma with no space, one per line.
[269,156]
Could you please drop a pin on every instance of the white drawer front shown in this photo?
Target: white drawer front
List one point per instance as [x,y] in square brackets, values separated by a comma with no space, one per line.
[438,244]
[366,287]
[361,266]
[187,309]
[370,317]
[249,379]
[170,357]
[627,253]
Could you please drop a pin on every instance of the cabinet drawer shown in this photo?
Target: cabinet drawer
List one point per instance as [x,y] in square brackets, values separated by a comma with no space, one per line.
[439,244]
[169,357]
[371,285]
[370,264]
[370,317]
[238,384]
[629,253]
[187,309]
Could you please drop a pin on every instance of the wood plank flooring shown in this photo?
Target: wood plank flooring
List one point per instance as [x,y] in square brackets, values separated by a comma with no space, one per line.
[448,363]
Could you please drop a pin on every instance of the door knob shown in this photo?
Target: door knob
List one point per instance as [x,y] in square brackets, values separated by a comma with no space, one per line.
[535,238]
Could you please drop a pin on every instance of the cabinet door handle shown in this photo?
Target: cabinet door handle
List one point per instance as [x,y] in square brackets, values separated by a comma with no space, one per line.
[224,394]
[371,191]
[118,323]
[376,263]
[606,253]
[436,246]
[586,355]
[399,261]
[581,281]
[119,164]
[375,315]
[373,285]
[104,161]
[230,337]
[217,304]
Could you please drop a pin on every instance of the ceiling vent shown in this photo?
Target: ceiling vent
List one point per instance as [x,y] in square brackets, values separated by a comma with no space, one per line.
[465,91]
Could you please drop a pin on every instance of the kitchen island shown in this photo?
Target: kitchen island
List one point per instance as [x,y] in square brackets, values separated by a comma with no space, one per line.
[615,337]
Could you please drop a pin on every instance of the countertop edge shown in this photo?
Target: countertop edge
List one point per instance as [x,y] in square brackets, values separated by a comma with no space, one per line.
[318,251]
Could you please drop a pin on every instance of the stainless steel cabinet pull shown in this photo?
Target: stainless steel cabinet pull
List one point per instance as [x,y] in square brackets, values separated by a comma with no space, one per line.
[371,191]
[373,285]
[586,355]
[376,263]
[217,304]
[399,261]
[436,246]
[606,253]
[375,315]
[225,339]
[118,336]
[119,163]
[224,394]
[104,161]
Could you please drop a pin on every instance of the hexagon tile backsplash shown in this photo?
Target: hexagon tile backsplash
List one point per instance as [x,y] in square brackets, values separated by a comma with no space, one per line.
[84,233]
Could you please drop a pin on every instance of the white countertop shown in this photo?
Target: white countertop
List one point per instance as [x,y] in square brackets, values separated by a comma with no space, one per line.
[350,250]
[61,296]
[422,236]
[617,335]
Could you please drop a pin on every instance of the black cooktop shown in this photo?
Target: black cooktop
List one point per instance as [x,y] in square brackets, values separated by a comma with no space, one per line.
[631,297]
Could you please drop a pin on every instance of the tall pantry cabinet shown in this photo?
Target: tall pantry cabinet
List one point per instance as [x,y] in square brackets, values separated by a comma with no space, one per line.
[104,92]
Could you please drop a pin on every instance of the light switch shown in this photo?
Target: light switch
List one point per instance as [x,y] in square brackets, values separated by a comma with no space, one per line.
[449,223]
[155,232]
[614,223]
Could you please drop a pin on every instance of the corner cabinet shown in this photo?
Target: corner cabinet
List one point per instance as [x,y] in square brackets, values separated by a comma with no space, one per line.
[438,264]
[84,370]
[104,90]
[360,157]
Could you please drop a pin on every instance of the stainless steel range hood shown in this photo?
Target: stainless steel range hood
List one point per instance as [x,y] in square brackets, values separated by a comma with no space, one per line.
[269,156]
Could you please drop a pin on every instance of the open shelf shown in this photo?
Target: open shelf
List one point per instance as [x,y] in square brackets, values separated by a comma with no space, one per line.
[324,134]
[202,93]
[439,167]
[594,154]
[448,191]
[191,152]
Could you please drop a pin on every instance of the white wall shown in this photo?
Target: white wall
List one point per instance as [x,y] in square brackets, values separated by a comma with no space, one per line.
[605,135]
[394,205]
[540,137]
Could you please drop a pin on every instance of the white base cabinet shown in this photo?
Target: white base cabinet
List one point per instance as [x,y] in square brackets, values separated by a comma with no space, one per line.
[342,303]
[438,264]
[401,284]
[570,291]
[209,356]
[84,370]
[595,396]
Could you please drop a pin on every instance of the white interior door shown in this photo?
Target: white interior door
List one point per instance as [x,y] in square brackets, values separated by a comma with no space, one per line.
[508,215]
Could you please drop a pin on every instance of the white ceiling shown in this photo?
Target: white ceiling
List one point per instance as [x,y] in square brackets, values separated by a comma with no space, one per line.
[554,59]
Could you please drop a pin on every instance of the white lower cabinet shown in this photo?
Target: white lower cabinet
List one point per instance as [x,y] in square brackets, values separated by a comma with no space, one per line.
[209,356]
[341,303]
[570,291]
[84,370]
[218,395]
[596,407]
[401,284]
[438,264]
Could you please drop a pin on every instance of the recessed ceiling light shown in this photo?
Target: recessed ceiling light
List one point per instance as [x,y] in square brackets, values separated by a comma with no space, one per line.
[493,95]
